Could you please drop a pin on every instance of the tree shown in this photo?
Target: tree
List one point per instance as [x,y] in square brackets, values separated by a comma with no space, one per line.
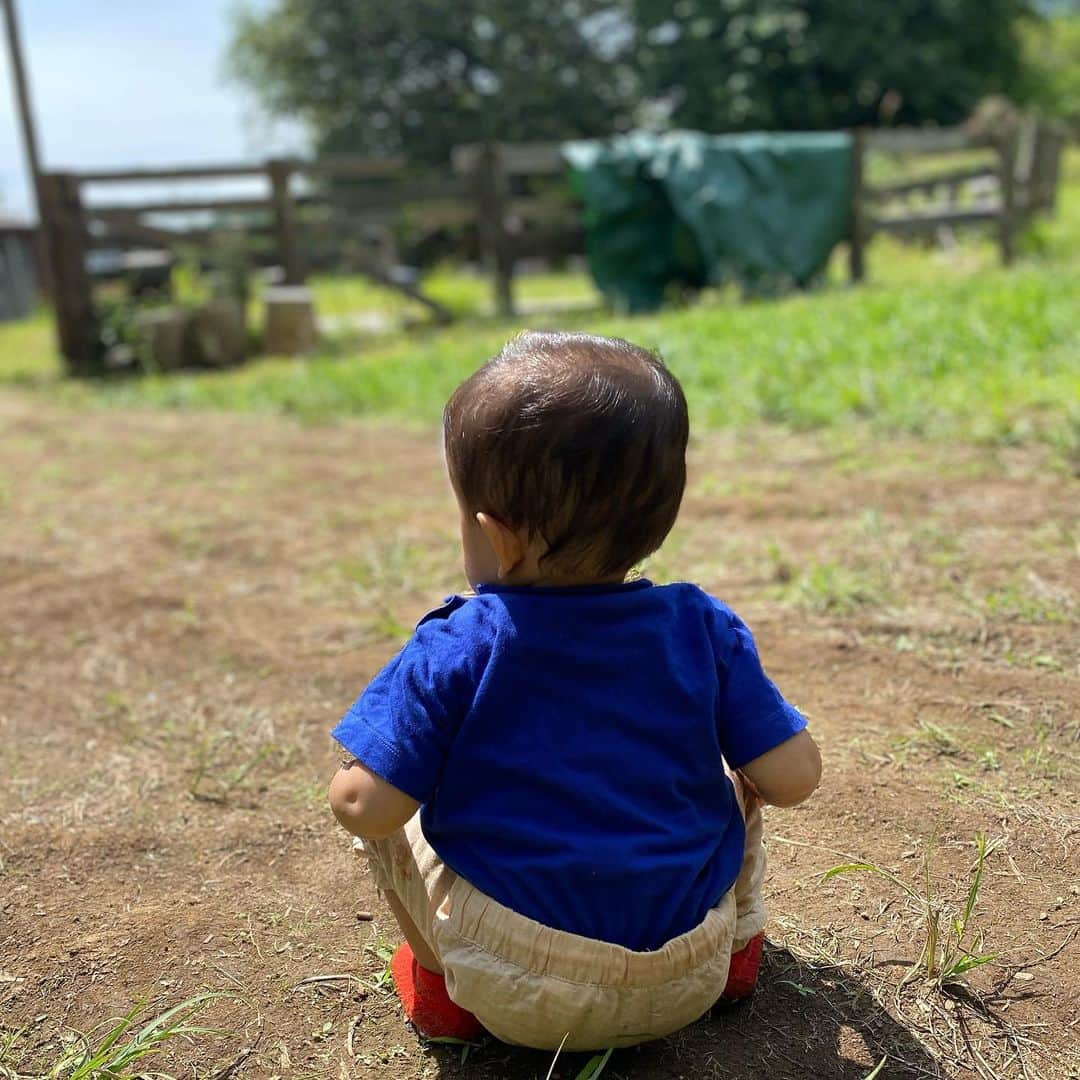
[1051,80]
[804,64]
[421,76]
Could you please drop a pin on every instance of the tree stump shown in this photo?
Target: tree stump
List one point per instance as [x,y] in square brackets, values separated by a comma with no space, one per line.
[161,338]
[290,320]
[217,334]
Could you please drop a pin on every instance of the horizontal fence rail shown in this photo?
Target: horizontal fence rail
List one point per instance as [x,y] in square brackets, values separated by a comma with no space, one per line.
[926,140]
[499,196]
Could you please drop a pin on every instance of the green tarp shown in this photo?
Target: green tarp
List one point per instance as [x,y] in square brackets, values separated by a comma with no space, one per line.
[689,209]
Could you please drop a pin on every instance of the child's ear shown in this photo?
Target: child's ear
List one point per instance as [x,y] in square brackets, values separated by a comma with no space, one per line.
[505,543]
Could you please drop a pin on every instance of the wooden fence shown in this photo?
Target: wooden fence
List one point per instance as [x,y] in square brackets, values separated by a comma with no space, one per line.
[513,196]
[525,208]
[1015,178]
[1018,178]
[345,203]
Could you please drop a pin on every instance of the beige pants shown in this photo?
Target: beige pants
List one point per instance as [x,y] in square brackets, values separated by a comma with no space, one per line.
[534,986]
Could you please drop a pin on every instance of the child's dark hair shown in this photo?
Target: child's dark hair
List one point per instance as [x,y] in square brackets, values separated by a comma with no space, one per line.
[578,439]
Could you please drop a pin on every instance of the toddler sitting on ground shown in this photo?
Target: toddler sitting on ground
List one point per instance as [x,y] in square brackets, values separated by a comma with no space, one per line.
[558,779]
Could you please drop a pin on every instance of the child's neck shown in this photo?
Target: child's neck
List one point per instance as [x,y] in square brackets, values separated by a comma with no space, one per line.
[561,581]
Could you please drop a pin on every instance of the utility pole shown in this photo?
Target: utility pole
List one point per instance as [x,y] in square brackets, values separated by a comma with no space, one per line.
[30,143]
[22,97]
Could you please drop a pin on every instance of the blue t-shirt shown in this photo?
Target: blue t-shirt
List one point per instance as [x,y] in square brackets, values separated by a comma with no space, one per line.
[567,745]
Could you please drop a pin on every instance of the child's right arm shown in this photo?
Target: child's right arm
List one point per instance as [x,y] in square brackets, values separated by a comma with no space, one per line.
[762,736]
[366,805]
[787,774]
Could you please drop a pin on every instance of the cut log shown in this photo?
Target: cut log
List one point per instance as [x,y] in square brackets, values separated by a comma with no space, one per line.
[217,334]
[161,337]
[290,320]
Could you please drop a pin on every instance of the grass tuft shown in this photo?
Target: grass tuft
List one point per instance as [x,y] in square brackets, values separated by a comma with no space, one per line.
[117,1047]
[951,947]
[383,952]
[836,588]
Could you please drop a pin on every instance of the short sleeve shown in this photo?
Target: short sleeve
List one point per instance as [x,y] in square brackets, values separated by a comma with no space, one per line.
[752,715]
[404,723]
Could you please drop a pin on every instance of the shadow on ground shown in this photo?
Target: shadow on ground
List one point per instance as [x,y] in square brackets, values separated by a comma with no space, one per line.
[805,1020]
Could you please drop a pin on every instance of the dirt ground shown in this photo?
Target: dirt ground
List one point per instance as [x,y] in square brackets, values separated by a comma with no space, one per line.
[188,602]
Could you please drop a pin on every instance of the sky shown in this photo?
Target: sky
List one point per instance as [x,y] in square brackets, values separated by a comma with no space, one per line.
[128,82]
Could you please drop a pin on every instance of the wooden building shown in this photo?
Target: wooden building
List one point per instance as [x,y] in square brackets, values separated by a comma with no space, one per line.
[18,268]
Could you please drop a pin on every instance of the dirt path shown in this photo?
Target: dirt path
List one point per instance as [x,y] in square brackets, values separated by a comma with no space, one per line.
[188,602]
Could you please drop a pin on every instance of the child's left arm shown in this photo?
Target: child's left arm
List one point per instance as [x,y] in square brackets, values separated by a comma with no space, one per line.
[367,805]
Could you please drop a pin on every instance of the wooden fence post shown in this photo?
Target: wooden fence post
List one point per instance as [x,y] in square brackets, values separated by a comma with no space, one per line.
[1006,146]
[65,232]
[491,189]
[857,250]
[1046,168]
[285,223]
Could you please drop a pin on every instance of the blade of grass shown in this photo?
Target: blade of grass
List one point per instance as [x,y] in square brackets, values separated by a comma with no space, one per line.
[973,892]
[100,1055]
[551,1069]
[870,868]
[595,1065]
[966,962]
[189,1007]
[933,919]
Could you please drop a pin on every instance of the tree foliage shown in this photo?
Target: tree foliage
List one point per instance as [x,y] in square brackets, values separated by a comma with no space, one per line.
[1051,78]
[420,76]
[810,64]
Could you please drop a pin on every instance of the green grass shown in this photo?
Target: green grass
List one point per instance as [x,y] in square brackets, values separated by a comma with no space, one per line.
[951,946]
[835,587]
[936,344]
[28,355]
[117,1049]
[466,295]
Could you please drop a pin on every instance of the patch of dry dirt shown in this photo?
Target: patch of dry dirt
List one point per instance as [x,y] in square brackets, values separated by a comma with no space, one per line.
[188,602]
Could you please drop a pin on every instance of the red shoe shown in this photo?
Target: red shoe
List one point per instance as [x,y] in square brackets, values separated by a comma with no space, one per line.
[743,972]
[426,1003]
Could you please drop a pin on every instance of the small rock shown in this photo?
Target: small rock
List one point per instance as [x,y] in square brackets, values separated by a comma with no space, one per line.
[364,916]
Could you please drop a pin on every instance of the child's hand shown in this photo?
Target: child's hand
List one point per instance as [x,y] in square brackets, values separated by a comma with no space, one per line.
[751,796]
